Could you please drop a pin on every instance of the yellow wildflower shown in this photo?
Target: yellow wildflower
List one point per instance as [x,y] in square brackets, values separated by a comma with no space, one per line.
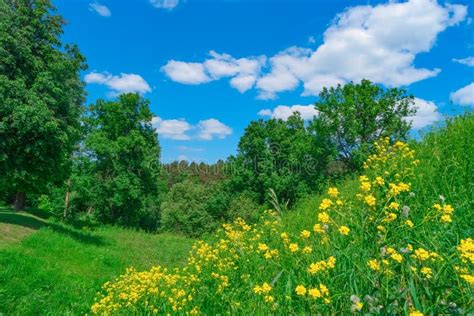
[317,228]
[325,204]
[323,217]
[344,230]
[305,234]
[468,278]
[427,272]
[314,293]
[370,200]
[300,290]
[293,247]
[374,265]
[446,218]
[333,192]
[379,180]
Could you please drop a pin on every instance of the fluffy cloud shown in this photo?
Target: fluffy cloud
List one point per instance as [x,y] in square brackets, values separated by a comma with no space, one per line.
[464,96]
[208,129]
[172,129]
[186,73]
[165,4]
[379,43]
[180,129]
[100,9]
[284,112]
[244,71]
[426,114]
[468,61]
[119,83]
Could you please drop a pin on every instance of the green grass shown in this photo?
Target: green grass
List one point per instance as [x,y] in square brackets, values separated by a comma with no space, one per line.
[47,267]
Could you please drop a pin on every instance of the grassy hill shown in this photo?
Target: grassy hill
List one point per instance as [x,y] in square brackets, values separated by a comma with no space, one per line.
[47,267]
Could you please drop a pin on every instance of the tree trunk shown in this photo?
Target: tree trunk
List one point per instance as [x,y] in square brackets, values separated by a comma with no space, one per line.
[20,199]
[66,199]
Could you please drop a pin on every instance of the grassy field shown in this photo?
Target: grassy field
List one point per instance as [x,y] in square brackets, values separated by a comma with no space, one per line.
[50,268]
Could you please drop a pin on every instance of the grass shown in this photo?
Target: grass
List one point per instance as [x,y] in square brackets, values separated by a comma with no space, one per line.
[47,267]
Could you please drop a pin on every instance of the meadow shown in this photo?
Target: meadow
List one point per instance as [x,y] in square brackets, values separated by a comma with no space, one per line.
[395,239]
[47,267]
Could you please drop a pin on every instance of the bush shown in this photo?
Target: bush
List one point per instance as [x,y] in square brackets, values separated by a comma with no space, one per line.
[184,209]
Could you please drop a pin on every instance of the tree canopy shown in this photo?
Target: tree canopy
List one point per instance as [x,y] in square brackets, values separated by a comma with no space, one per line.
[355,115]
[41,97]
[124,151]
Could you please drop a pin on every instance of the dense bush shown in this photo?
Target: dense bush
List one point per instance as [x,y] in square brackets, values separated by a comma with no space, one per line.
[185,209]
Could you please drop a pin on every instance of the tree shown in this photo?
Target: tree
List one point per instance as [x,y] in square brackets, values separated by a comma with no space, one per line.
[284,156]
[125,152]
[353,116]
[41,97]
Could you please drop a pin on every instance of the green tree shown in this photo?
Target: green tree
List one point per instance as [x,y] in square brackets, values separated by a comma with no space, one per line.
[353,116]
[125,152]
[41,95]
[285,156]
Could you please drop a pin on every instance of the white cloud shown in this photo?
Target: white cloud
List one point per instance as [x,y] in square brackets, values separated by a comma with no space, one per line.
[100,9]
[208,129]
[311,40]
[426,114]
[186,73]
[284,112]
[119,83]
[468,61]
[165,4]
[244,71]
[464,96]
[379,43]
[172,129]
[180,129]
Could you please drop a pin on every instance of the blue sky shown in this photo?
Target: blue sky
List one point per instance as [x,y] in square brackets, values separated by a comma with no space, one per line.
[209,67]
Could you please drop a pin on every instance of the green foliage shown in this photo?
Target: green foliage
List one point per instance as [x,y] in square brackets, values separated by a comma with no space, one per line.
[353,116]
[243,205]
[123,153]
[285,156]
[40,96]
[189,208]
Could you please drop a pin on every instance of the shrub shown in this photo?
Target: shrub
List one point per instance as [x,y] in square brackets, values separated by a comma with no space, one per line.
[184,209]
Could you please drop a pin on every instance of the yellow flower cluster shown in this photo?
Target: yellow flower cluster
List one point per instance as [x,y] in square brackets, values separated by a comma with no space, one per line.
[322,265]
[445,212]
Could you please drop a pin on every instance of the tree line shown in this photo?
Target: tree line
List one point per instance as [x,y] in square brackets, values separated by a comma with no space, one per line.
[101,162]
